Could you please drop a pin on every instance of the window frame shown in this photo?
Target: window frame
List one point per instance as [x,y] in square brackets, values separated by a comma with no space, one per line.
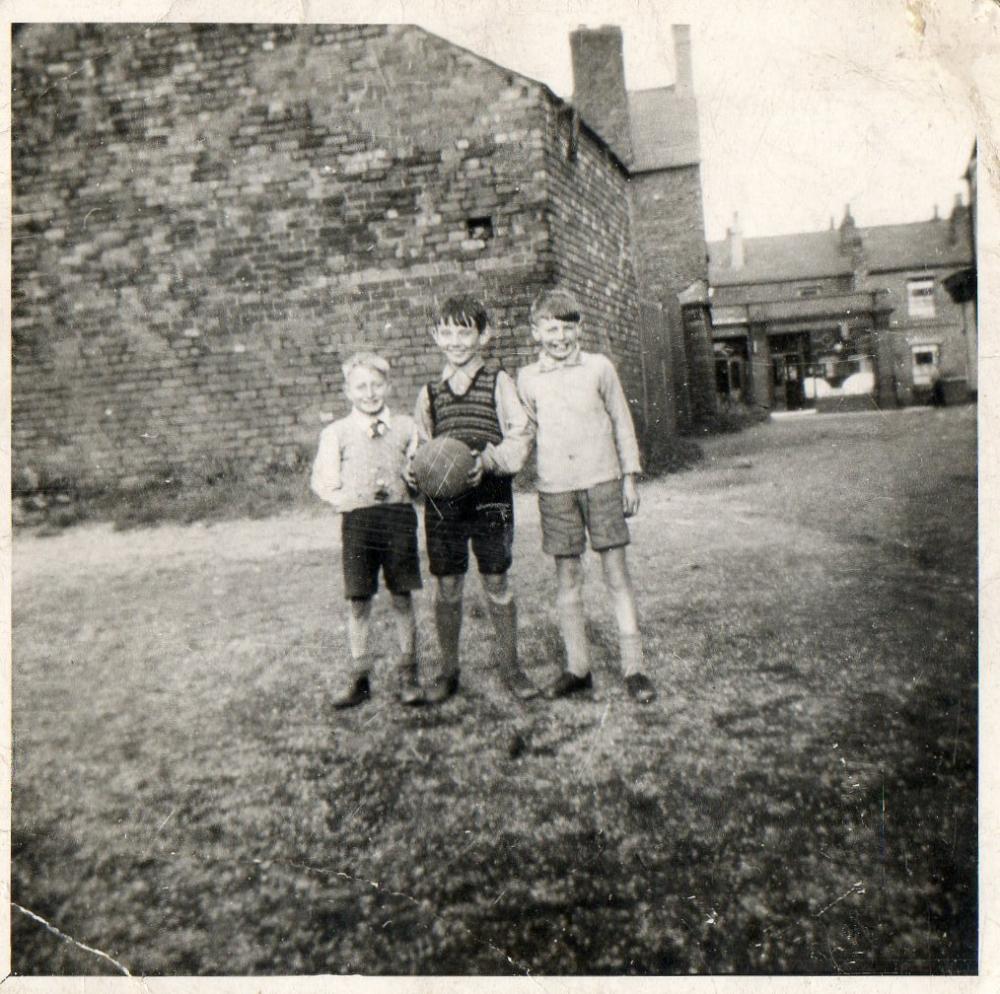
[921,305]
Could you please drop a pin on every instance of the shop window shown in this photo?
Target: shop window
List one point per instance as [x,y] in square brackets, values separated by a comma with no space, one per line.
[920,297]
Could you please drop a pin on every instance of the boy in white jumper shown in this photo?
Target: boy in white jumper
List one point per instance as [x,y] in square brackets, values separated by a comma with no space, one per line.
[359,471]
[588,461]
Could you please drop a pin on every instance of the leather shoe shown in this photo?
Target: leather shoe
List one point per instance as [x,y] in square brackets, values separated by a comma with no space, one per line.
[517,682]
[639,688]
[442,688]
[356,694]
[569,683]
[408,686]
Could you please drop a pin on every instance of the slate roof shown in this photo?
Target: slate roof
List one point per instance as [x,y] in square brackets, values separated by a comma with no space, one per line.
[816,254]
[663,126]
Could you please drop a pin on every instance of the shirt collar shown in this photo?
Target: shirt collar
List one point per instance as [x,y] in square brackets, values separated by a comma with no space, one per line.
[367,420]
[546,363]
[460,378]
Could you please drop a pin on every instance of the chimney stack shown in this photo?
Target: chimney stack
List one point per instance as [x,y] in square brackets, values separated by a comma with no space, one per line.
[684,82]
[734,236]
[958,219]
[851,244]
[850,237]
[599,85]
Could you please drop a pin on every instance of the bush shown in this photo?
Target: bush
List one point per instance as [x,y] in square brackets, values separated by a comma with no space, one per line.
[671,455]
[727,422]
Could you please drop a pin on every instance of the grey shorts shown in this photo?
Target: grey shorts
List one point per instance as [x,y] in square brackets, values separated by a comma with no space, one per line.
[568,517]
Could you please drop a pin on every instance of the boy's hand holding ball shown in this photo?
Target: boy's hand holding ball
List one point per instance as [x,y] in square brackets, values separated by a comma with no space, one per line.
[476,473]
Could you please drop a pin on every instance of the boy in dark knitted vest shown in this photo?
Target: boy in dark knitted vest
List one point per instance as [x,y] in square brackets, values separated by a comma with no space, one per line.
[481,407]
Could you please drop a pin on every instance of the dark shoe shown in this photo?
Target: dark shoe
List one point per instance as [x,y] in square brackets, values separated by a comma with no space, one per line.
[517,682]
[441,689]
[569,683]
[639,688]
[358,693]
[408,686]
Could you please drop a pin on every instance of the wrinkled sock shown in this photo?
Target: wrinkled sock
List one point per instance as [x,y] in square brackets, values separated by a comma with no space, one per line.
[357,633]
[405,633]
[630,647]
[504,617]
[573,626]
[448,620]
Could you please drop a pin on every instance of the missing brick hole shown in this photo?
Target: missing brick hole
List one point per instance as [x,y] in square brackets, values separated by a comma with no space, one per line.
[480,227]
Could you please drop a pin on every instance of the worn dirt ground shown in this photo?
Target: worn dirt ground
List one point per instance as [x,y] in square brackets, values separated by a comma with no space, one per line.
[801,798]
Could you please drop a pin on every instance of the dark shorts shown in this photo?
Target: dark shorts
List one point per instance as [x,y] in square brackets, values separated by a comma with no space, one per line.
[483,517]
[382,537]
[568,517]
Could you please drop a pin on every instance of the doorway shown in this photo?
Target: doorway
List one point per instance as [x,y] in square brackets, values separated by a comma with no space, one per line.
[790,359]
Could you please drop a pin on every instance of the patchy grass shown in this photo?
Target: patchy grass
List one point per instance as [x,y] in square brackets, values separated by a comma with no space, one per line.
[801,798]
[210,490]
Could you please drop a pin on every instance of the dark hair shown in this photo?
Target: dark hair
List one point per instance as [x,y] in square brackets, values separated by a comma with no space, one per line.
[556,302]
[464,309]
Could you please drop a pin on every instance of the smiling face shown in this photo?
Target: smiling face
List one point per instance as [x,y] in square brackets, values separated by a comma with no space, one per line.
[366,389]
[558,338]
[461,343]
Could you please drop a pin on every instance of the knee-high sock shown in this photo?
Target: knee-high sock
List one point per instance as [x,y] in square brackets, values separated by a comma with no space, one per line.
[448,621]
[357,631]
[402,608]
[630,647]
[573,626]
[504,615]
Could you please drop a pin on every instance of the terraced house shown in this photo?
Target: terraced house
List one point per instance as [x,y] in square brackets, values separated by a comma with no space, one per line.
[208,218]
[844,319]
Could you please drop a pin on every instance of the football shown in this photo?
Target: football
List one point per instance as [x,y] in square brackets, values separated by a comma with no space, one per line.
[442,466]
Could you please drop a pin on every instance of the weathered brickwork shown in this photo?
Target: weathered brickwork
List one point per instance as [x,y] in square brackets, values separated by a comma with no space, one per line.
[592,244]
[948,329]
[208,219]
[670,255]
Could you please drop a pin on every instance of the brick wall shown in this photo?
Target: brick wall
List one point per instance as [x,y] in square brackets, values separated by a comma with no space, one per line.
[783,290]
[670,256]
[208,219]
[591,245]
[945,329]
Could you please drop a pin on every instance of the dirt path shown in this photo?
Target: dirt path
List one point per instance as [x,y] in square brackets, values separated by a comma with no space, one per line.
[800,799]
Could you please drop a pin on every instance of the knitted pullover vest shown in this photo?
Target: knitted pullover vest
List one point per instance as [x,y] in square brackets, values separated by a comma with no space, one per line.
[472,418]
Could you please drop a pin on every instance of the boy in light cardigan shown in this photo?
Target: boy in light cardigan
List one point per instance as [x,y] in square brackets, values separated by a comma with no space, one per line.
[359,471]
[588,461]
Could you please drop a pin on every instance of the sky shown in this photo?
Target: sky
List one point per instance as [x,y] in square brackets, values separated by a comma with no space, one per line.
[803,108]
[804,105]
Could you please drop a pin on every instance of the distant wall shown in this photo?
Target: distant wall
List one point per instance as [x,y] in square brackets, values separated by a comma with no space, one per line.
[592,245]
[670,256]
[207,219]
[948,329]
[783,290]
